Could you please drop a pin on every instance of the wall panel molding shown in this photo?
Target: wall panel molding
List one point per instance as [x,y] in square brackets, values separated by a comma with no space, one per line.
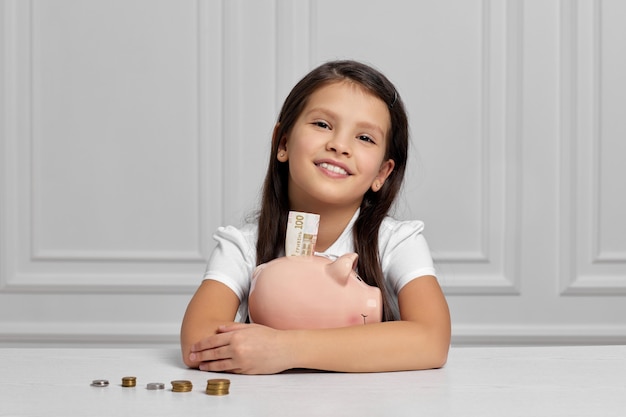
[7,97]
[585,269]
[11,29]
[28,264]
[100,283]
[538,334]
[89,334]
[495,269]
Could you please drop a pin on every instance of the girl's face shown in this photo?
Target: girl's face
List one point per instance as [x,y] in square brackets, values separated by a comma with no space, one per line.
[336,148]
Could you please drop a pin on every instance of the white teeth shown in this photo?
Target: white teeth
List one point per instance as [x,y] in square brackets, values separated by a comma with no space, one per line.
[333,168]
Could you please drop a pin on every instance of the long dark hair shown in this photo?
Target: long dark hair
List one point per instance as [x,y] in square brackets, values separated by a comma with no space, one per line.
[272,221]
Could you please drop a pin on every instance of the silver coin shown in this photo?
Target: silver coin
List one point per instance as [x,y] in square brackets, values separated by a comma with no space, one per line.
[100,383]
[155,385]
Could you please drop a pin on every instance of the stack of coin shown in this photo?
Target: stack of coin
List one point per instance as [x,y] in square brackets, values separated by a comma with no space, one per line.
[217,386]
[181,386]
[129,381]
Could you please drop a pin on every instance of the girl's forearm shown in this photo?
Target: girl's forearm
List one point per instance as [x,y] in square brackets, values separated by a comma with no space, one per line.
[377,347]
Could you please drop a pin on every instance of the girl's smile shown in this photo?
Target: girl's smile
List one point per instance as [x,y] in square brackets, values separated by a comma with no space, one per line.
[333,169]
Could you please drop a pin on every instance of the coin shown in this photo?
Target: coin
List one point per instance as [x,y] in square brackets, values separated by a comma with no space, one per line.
[100,383]
[155,385]
[181,385]
[219,386]
[129,381]
[219,382]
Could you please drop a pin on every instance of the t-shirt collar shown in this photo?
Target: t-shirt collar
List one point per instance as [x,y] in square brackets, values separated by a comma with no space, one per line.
[344,243]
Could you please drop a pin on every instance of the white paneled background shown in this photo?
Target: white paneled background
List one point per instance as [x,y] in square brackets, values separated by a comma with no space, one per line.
[131,129]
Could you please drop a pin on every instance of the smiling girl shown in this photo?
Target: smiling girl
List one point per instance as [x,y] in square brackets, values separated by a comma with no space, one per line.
[339,150]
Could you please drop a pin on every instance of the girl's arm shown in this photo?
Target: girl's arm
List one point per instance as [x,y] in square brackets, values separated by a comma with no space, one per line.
[420,340]
[213,305]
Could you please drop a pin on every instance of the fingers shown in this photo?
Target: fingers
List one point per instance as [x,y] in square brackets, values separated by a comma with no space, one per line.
[232,327]
[219,339]
[215,347]
[211,342]
[226,365]
[213,354]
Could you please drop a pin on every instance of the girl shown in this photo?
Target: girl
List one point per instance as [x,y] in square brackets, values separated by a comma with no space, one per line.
[339,149]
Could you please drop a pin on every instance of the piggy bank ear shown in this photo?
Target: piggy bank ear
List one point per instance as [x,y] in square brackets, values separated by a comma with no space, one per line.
[342,268]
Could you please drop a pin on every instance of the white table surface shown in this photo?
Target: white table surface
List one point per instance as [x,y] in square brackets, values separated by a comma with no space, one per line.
[507,381]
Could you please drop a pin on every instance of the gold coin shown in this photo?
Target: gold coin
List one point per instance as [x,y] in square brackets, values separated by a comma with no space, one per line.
[129,381]
[181,386]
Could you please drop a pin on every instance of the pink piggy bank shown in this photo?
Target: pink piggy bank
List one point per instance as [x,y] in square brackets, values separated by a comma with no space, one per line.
[312,292]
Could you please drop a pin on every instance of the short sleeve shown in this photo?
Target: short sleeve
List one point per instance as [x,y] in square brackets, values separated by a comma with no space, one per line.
[233,260]
[405,255]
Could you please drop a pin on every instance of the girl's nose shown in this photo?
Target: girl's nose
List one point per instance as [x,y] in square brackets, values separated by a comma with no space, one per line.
[340,144]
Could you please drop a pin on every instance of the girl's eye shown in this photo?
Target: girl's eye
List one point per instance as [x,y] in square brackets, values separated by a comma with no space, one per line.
[366,138]
[321,124]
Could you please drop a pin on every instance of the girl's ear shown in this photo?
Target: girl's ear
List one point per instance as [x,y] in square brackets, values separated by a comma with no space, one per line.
[383,173]
[282,155]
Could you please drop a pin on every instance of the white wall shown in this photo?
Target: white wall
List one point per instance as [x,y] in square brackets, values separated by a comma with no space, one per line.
[131,129]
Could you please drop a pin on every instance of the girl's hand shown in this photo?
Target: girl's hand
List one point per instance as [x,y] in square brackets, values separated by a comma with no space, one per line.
[244,348]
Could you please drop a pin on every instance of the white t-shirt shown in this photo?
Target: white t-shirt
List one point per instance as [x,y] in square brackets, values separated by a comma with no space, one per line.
[403,250]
